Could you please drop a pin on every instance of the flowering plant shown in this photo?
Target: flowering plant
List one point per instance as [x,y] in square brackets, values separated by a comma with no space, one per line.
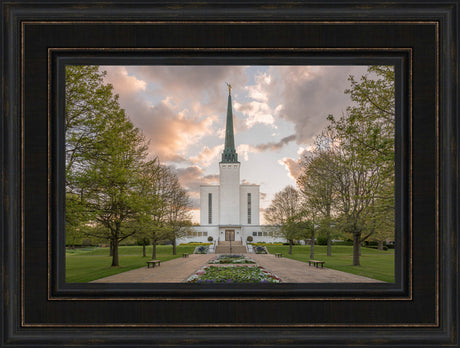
[233,274]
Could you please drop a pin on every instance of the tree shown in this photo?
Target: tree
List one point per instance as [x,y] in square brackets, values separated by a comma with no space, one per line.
[317,183]
[113,178]
[283,212]
[87,101]
[178,217]
[104,152]
[365,160]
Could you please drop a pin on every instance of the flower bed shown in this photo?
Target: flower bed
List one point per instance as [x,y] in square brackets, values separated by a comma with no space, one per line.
[203,249]
[233,274]
[260,250]
[233,259]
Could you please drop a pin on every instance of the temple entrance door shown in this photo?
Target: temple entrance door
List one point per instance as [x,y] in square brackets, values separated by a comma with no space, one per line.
[229,235]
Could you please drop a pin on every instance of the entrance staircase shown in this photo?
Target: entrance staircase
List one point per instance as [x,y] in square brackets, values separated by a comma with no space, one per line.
[223,247]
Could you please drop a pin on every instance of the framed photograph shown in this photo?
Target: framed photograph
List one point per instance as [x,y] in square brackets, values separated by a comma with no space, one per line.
[149,149]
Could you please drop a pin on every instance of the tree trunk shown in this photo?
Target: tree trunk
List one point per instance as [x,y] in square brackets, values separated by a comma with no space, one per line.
[115,253]
[174,246]
[143,247]
[290,246]
[329,243]
[154,251]
[356,248]
[380,244]
[312,246]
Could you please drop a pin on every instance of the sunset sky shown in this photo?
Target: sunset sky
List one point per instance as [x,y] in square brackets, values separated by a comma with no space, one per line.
[277,111]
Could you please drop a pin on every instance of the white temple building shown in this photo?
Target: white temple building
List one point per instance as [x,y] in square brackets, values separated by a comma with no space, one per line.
[229,211]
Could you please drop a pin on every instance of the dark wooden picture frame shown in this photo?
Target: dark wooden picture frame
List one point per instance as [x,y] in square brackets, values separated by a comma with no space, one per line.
[38,308]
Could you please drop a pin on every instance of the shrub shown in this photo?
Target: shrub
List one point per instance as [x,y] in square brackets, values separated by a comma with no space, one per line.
[321,240]
[210,239]
[249,239]
[140,241]
[86,242]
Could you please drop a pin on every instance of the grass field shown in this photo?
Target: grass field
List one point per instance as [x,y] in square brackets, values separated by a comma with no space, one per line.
[84,265]
[376,264]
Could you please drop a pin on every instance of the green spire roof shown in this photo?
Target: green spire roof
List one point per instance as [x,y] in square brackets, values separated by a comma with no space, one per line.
[229,155]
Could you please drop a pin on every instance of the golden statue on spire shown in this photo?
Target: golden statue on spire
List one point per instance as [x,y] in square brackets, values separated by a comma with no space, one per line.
[229,88]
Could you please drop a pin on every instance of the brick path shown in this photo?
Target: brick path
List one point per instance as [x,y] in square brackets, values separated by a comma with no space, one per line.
[290,271]
[172,271]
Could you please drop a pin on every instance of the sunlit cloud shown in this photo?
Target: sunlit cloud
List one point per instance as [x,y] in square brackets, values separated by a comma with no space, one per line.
[207,155]
[292,166]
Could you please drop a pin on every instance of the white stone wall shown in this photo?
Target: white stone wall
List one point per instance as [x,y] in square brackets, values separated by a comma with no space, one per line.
[254,191]
[200,234]
[229,195]
[204,206]
[262,234]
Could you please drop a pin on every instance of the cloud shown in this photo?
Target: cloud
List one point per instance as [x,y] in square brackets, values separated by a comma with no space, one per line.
[245,182]
[207,155]
[243,151]
[311,93]
[191,178]
[170,128]
[292,166]
[272,146]
[193,82]
[124,83]
[258,109]
[255,112]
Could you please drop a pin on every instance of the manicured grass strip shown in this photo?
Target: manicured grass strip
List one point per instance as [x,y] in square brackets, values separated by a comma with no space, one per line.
[85,265]
[375,264]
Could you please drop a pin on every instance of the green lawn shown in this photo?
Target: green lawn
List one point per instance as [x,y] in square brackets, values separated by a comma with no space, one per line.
[84,265]
[376,264]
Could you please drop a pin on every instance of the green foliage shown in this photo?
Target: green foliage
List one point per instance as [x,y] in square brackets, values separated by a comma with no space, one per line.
[112,191]
[348,177]
[321,240]
[143,241]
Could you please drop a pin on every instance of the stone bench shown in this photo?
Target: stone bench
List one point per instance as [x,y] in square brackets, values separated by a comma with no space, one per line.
[153,263]
[316,263]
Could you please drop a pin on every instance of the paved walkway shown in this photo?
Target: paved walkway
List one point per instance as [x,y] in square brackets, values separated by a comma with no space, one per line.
[290,271]
[172,271]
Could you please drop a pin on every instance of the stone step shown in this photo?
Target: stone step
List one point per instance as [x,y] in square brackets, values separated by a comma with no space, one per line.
[220,249]
[227,243]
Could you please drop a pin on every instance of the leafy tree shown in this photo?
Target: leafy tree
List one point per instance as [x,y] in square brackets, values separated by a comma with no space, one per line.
[103,156]
[283,212]
[178,213]
[317,183]
[365,157]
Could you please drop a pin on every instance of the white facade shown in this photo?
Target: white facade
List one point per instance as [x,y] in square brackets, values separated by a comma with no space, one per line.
[209,205]
[230,210]
[229,193]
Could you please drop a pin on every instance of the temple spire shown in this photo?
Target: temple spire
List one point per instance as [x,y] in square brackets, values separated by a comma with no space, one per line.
[229,155]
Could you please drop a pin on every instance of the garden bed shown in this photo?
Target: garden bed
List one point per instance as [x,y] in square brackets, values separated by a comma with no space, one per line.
[233,274]
[231,259]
